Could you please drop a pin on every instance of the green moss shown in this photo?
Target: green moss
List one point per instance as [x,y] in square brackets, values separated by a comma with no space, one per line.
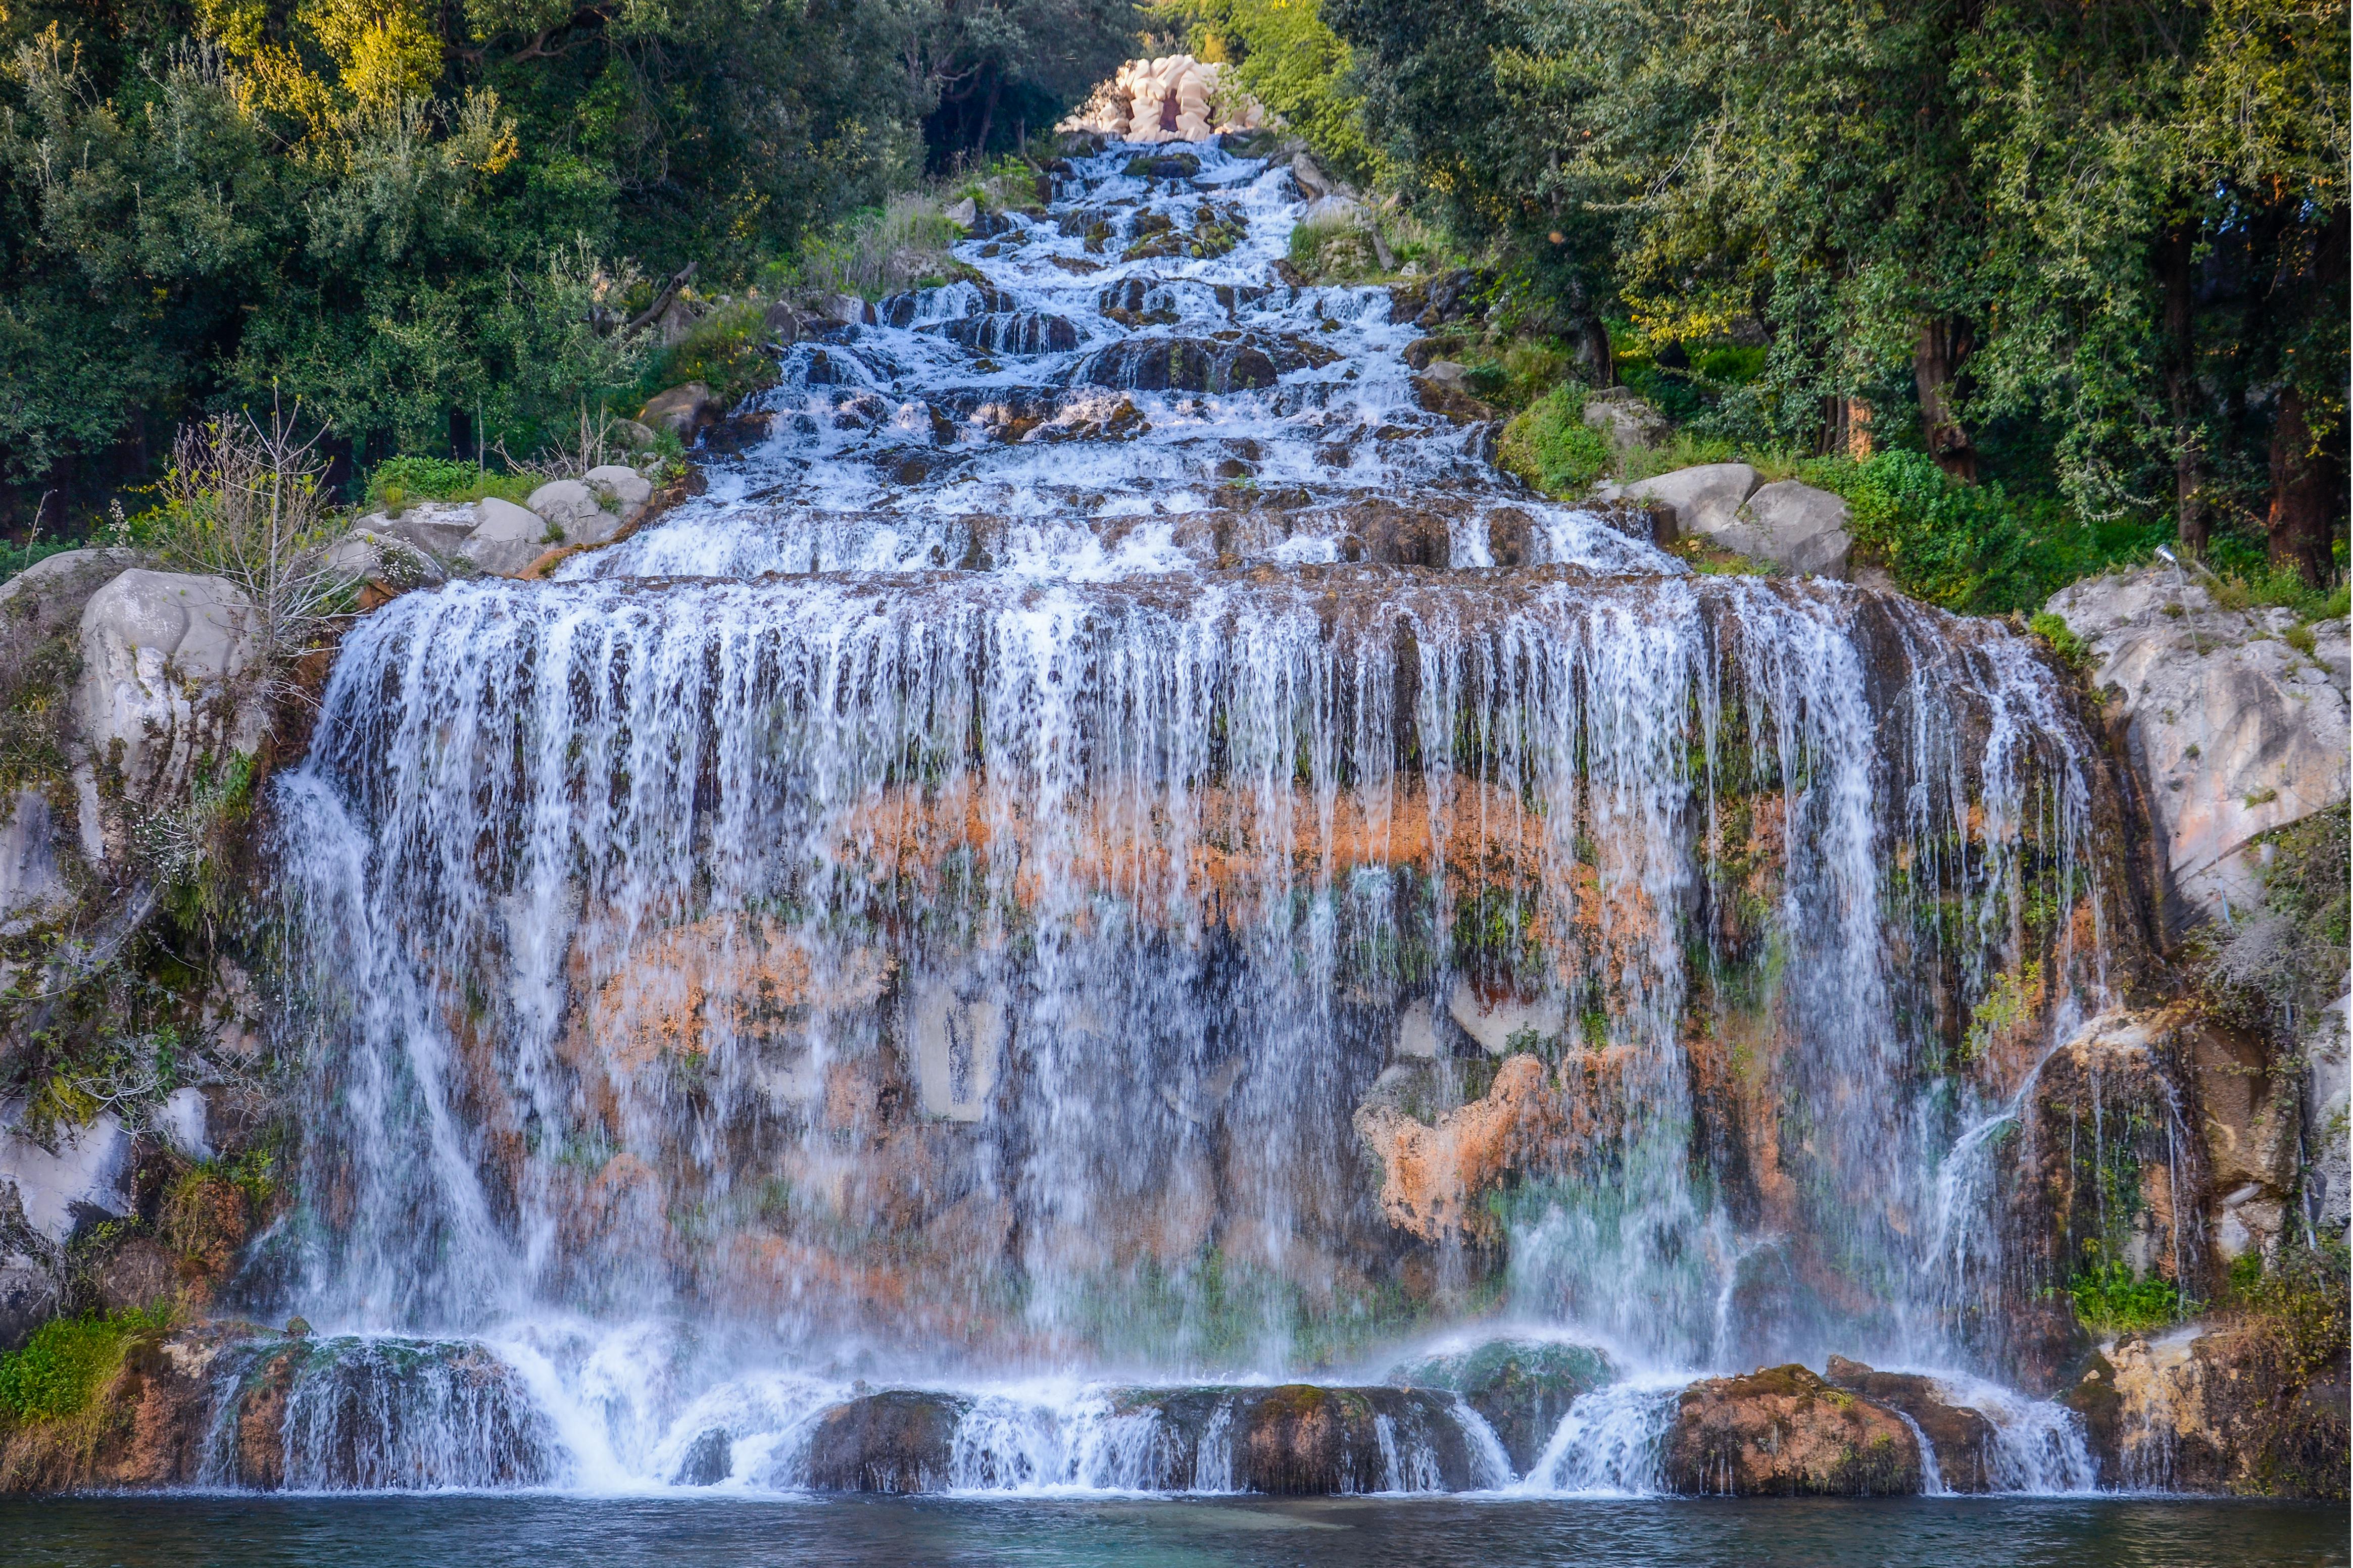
[67,1360]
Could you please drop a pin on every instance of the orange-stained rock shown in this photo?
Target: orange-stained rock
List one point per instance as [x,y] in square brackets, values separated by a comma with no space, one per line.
[1784,1432]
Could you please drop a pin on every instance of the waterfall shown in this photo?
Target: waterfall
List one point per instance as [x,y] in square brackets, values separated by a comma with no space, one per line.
[1111,840]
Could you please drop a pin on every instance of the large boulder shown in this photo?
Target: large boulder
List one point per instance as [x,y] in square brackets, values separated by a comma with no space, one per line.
[1521,1388]
[1959,1437]
[164,657]
[1796,527]
[575,512]
[2236,719]
[1306,1440]
[1626,419]
[508,539]
[896,1441]
[1784,1432]
[51,592]
[76,1177]
[682,411]
[1706,500]
[437,528]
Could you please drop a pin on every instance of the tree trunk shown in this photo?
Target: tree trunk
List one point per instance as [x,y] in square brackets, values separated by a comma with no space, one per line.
[1943,347]
[2175,255]
[2300,493]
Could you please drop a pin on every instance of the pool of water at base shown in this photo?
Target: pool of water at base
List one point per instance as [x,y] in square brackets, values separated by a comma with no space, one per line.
[459,1530]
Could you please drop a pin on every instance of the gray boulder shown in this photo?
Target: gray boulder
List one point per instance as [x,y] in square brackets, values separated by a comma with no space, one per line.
[364,555]
[576,512]
[163,655]
[56,586]
[1705,499]
[847,310]
[1311,179]
[1626,419]
[32,878]
[622,489]
[1796,527]
[436,527]
[2235,729]
[508,539]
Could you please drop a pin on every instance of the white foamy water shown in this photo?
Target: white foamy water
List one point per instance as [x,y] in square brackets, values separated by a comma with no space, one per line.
[918,936]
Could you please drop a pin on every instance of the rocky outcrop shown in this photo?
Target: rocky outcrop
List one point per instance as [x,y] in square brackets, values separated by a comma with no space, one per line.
[2235,718]
[1784,1432]
[2239,1407]
[896,1441]
[1306,1440]
[508,538]
[1959,1438]
[682,411]
[164,657]
[73,1178]
[1728,506]
[1521,1388]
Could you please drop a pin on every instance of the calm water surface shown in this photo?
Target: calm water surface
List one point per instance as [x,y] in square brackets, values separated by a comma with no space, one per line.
[508,1532]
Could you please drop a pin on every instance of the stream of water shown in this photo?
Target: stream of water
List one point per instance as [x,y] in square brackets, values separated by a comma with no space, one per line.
[1001,895]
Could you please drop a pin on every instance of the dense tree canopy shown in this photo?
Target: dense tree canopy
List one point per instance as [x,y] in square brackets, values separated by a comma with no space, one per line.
[403,215]
[2101,246]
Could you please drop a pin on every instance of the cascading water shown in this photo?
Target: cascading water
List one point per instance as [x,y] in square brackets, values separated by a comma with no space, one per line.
[1111,839]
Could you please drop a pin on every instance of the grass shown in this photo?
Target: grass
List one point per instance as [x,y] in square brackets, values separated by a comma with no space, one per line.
[398,483]
[68,1361]
[903,244]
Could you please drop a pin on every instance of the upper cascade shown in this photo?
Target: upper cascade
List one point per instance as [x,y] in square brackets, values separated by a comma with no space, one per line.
[1131,391]
[1110,845]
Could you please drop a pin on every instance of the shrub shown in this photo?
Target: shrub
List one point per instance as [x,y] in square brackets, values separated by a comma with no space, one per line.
[2110,1299]
[1552,448]
[2062,638]
[397,483]
[67,1360]
[1963,547]
[730,351]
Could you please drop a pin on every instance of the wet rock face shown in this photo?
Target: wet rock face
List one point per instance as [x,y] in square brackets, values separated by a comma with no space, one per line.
[1784,1432]
[2234,728]
[1303,1440]
[1961,1437]
[896,1441]
[1520,1388]
[709,1460]
[2229,1411]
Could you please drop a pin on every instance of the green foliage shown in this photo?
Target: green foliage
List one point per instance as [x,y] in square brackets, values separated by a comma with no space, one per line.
[903,244]
[1293,63]
[2110,1299]
[1550,446]
[68,1361]
[397,482]
[1833,206]
[2061,638]
[2305,1299]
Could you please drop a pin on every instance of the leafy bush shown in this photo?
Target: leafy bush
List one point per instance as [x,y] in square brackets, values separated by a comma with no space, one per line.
[67,1361]
[2110,1299]
[1963,547]
[1552,448]
[730,351]
[398,482]
[2305,1299]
